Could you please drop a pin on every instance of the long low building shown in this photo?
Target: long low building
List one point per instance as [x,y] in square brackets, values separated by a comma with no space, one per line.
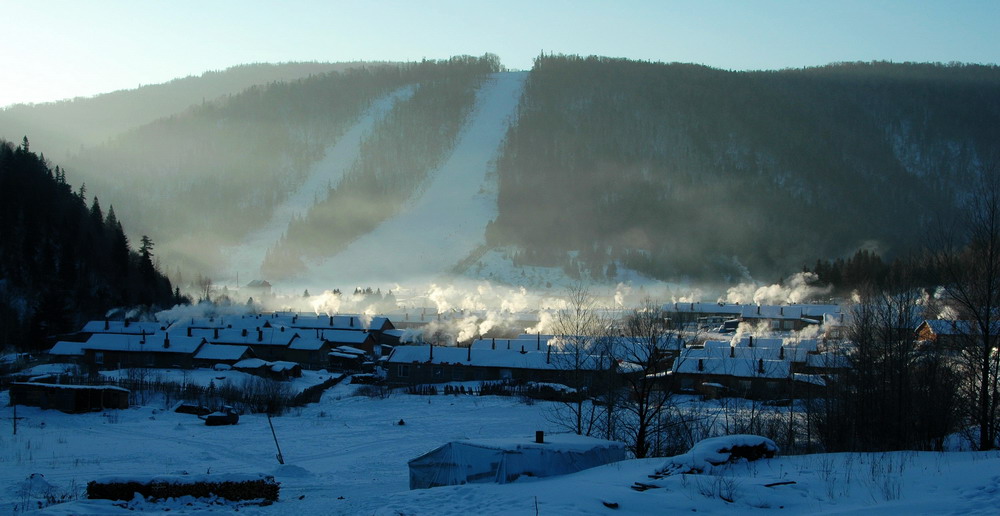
[483,361]
[306,339]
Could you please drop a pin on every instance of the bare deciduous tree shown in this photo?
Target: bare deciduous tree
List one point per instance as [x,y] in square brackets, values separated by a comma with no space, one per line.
[646,349]
[969,262]
[580,354]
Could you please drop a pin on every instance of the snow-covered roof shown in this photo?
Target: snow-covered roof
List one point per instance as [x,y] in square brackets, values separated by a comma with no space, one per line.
[250,363]
[484,357]
[735,367]
[331,322]
[64,348]
[73,387]
[349,349]
[257,336]
[512,344]
[346,336]
[132,327]
[282,365]
[750,311]
[220,352]
[794,350]
[307,341]
[159,343]
[553,442]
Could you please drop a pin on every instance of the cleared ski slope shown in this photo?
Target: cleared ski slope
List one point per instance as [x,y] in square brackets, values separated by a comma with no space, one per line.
[325,174]
[447,221]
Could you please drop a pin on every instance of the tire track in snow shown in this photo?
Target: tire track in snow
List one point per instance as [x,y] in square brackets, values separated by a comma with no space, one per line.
[447,220]
[327,173]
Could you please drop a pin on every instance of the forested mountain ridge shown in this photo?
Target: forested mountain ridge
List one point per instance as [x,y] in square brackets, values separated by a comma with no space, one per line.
[62,263]
[675,170]
[66,126]
[683,170]
[206,177]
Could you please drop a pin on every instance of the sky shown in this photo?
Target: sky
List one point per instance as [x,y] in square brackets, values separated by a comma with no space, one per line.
[56,49]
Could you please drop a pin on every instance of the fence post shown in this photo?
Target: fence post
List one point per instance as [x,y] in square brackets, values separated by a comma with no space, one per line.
[281,460]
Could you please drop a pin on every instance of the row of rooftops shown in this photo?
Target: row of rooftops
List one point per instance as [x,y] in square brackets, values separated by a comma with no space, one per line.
[227,338]
[744,357]
[246,322]
[816,312]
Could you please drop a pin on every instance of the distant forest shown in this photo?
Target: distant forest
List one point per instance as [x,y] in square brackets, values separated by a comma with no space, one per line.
[680,170]
[62,262]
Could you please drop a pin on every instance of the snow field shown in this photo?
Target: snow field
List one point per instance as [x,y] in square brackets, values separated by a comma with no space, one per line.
[348,455]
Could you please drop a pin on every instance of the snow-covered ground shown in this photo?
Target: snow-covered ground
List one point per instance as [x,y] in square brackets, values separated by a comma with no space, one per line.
[447,220]
[325,174]
[348,455]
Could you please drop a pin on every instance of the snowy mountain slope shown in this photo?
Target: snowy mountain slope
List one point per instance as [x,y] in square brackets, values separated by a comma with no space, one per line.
[447,220]
[325,174]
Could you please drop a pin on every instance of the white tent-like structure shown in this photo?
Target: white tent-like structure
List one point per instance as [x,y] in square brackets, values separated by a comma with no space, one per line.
[504,460]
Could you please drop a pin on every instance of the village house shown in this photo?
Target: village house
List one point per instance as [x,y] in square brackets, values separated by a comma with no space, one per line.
[118,351]
[274,370]
[309,350]
[708,316]
[484,360]
[952,334]
[747,367]
[306,339]
[210,355]
[69,398]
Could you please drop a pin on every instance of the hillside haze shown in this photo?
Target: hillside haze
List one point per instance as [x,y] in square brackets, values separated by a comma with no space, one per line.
[592,167]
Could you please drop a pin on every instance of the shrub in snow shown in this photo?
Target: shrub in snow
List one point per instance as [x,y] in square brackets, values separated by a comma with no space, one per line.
[716,451]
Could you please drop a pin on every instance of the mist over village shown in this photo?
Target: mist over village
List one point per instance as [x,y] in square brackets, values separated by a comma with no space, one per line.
[456,258]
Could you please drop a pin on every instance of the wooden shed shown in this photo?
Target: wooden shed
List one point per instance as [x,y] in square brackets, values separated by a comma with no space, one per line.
[69,398]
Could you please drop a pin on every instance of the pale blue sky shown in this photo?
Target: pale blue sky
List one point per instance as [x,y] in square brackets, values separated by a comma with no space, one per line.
[53,49]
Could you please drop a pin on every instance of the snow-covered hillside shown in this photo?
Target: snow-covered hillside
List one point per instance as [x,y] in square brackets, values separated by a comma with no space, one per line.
[325,174]
[447,220]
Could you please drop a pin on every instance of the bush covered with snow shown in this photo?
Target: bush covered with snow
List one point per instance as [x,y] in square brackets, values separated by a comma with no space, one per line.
[717,451]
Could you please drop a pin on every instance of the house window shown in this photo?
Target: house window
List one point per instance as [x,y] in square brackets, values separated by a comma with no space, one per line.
[404,370]
[458,374]
[506,374]
[438,372]
[99,357]
[789,325]
[775,325]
